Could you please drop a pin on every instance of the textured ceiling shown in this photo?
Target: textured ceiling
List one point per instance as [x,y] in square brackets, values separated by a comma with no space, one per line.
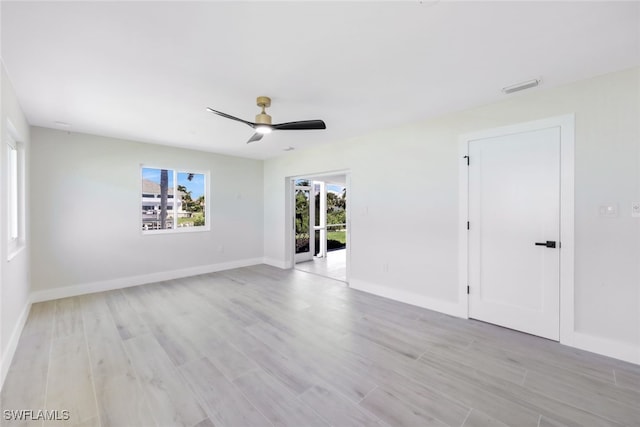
[147,70]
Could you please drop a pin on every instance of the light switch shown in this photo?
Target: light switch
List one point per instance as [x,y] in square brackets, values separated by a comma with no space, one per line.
[608,210]
[635,209]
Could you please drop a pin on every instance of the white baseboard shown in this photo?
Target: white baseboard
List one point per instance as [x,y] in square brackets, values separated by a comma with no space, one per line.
[451,308]
[276,263]
[605,346]
[126,282]
[10,351]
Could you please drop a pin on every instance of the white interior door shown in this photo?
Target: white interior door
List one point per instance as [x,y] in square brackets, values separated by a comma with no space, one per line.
[514,214]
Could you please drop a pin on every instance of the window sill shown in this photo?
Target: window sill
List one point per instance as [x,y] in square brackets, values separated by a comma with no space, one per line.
[184,230]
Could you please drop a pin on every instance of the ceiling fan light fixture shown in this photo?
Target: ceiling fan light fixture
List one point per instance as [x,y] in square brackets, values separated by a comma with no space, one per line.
[263,129]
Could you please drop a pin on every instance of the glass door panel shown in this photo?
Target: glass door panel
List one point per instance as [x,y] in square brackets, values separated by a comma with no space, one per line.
[304,220]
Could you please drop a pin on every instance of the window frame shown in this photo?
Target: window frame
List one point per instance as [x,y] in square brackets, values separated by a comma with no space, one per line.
[173,201]
[15,198]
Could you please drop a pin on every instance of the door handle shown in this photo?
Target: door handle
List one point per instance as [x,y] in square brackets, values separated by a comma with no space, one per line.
[548,244]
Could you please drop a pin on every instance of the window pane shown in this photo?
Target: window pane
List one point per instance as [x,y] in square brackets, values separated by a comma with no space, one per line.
[13,193]
[191,199]
[302,221]
[316,195]
[157,202]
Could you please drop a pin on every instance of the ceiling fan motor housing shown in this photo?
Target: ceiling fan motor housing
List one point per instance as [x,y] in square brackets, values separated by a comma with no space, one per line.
[263,117]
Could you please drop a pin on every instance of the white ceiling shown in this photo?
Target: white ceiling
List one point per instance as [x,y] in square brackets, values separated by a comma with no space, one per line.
[147,70]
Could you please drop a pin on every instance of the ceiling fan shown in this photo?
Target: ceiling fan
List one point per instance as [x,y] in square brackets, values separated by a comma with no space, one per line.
[263,124]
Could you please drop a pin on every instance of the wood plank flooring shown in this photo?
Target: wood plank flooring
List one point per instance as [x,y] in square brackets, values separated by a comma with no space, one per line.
[259,346]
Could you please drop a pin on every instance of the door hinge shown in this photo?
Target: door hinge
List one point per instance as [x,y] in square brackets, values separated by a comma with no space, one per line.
[468,290]
[466,157]
[468,226]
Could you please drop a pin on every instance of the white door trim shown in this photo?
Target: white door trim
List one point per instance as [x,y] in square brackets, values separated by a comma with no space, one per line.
[567,167]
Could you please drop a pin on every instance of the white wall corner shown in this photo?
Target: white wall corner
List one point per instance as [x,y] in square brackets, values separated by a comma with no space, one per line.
[126,282]
[277,263]
[456,309]
[12,345]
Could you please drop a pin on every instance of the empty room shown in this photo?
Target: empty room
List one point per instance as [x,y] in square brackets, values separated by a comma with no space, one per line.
[320,213]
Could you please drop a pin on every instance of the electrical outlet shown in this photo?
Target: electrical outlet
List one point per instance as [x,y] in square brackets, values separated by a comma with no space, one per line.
[608,210]
[635,209]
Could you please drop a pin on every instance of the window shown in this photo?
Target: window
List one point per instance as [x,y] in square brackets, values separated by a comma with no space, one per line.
[13,193]
[15,210]
[174,200]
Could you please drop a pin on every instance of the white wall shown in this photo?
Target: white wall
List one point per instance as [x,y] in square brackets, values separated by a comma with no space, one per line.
[404,206]
[14,274]
[86,229]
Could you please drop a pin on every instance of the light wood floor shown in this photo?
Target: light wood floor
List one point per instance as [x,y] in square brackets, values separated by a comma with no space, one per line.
[260,346]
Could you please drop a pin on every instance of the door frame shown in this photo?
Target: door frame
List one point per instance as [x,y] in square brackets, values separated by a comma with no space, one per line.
[566,123]
[289,211]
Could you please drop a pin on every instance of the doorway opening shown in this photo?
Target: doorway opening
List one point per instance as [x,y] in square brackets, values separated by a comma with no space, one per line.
[320,226]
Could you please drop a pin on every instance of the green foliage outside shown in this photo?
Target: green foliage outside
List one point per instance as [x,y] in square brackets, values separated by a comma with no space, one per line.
[302,213]
[188,204]
[302,221]
[338,236]
[196,207]
[196,220]
[336,216]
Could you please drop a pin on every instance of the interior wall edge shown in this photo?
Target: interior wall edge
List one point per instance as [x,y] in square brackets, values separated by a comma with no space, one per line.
[12,345]
[277,263]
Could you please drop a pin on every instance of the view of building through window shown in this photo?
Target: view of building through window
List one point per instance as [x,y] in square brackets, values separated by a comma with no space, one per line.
[172,199]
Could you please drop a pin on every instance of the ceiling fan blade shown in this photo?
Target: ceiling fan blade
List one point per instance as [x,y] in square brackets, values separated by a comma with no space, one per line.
[227,116]
[301,125]
[255,137]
